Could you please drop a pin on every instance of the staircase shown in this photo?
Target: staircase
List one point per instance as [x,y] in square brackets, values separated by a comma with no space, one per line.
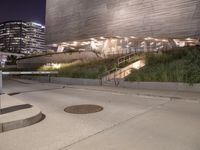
[114,76]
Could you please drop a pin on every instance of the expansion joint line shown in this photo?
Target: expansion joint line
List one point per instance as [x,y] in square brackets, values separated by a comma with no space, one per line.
[117,124]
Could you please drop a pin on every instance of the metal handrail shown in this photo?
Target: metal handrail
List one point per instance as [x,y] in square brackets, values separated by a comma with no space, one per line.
[118,75]
[30,72]
[105,74]
[127,58]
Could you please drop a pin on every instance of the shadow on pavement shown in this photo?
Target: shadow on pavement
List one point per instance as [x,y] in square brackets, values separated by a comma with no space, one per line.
[14,108]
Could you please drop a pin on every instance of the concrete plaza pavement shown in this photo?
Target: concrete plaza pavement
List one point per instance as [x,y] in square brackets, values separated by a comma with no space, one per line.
[131,119]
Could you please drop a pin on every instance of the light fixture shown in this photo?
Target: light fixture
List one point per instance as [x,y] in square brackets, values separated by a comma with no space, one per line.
[113,40]
[55,45]
[102,38]
[157,39]
[75,43]
[148,38]
[189,39]
[164,40]
[132,37]
[126,39]
[151,43]
[93,39]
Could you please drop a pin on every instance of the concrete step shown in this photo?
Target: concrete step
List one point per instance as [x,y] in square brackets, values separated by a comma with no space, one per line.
[17,114]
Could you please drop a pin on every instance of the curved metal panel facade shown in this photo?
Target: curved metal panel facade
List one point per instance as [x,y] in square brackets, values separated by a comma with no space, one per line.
[68,20]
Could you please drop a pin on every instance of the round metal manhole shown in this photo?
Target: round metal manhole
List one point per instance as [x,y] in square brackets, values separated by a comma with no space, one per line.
[83,109]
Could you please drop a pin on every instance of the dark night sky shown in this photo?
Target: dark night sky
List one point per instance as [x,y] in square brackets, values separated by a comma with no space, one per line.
[26,10]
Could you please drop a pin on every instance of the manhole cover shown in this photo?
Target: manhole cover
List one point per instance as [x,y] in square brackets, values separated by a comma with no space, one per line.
[83,109]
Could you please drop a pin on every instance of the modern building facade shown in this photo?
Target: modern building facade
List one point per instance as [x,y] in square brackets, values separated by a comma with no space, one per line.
[13,37]
[35,38]
[122,24]
[21,37]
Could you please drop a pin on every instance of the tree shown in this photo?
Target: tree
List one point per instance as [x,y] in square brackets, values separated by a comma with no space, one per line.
[11,60]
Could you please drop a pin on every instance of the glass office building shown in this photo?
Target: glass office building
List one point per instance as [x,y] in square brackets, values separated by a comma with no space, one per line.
[22,37]
[35,38]
[13,37]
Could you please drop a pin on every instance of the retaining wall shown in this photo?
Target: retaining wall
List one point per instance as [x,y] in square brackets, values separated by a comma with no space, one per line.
[161,86]
[123,84]
[67,81]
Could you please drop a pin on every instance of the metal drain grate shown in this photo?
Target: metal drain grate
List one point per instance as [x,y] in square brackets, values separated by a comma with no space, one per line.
[83,109]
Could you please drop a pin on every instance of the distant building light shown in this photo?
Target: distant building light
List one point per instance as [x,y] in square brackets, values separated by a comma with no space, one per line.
[37,24]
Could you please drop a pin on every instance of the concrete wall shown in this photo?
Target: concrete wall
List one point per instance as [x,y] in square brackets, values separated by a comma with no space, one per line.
[72,81]
[161,86]
[79,19]
[123,84]
[36,62]
[65,81]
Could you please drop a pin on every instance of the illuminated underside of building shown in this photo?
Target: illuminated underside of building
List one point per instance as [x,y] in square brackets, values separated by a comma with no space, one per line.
[122,25]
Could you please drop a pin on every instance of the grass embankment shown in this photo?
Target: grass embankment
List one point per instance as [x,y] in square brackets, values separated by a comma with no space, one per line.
[84,69]
[176,65]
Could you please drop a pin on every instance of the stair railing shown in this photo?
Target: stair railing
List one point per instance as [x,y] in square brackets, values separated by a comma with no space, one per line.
[111,74]
[107,75]
[128,58]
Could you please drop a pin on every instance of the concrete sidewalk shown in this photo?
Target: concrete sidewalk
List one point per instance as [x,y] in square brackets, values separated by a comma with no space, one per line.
[171,95]
[131,119]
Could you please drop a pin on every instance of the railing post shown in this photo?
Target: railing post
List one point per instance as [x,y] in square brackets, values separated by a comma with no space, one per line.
[1,89]
[101,81]
[49,78]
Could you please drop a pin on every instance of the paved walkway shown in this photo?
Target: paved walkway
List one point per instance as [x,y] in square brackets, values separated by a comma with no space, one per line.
[131,119]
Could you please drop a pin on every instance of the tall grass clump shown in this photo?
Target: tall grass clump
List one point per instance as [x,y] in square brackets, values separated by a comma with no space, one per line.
[84,69]
[176,65]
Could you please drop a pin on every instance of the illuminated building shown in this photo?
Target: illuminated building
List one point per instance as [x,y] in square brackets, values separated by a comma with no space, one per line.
[21,37]
[111,26]
[13,37]
[35,38]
